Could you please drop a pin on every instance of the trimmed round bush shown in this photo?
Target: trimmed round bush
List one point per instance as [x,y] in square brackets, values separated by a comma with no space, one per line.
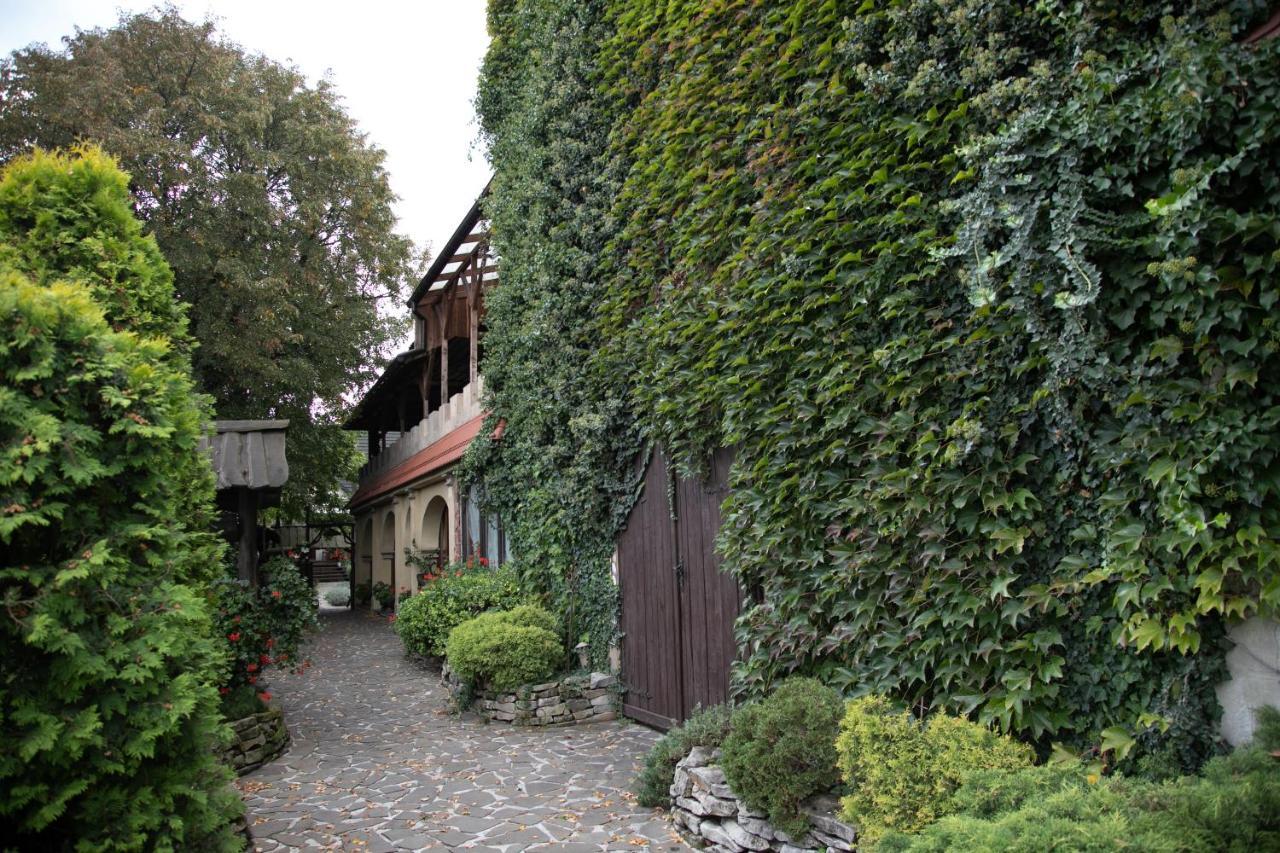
[425,620]
[901,773]
[533,616]
[338,597]
[496,651]
[781,750]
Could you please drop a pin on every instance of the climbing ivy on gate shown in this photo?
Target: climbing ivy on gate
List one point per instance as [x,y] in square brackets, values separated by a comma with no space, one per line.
[563,474]
[982,294]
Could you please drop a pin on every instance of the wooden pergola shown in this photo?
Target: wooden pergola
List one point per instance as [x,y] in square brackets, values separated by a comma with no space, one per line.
[448,311]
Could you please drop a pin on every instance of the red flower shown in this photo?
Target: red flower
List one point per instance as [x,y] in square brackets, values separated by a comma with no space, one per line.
[234,636]
[253,667]
[275,593]
[264,659]
[224,690]
[265,697]
[282,658]
[253,679]
[484,562]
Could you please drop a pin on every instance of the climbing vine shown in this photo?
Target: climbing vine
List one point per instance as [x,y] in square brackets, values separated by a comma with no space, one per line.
[981,294]
[563,473]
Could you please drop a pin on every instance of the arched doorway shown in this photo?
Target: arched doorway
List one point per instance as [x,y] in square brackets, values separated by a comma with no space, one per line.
[434,536]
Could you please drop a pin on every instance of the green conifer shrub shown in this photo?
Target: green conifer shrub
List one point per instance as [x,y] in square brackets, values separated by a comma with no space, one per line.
[706,727]
[1234,804]
[781,750]
[108,702]
[901,772]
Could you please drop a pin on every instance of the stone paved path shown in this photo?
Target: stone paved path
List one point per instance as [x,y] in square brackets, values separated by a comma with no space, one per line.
[377,764]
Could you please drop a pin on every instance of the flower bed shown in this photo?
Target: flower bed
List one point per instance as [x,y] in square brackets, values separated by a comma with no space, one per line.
[574,699]
[259,738]
[704,806]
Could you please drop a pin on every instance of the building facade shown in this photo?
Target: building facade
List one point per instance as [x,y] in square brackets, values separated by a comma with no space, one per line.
[420,417]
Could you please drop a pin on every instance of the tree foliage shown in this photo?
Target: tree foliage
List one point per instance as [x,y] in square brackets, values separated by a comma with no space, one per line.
[272,209]
[982,294]
[108,702]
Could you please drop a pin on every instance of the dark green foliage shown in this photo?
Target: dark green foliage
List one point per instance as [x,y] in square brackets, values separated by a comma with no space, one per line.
[108,703]
[781,750]
[1234,805]
[264,626]
[505,649]
[706,727]
[425,620]
[980,292]
[900,772]
[562,477]
[384,595]
[272,208]
[242,701]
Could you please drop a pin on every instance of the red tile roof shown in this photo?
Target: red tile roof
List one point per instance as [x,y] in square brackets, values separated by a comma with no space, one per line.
[426,461]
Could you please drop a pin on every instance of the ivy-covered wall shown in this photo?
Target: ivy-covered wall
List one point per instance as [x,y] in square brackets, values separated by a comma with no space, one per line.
[562,476]
[982,294]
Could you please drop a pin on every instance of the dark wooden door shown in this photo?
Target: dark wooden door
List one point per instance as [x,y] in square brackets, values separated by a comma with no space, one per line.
[678,608]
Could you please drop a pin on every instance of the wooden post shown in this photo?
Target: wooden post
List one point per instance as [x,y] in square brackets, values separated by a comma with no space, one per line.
[473,316]
[424,380]
[442,313]
[247,559]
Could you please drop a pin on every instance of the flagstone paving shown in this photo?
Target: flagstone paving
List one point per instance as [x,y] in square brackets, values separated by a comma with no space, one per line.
[378,764]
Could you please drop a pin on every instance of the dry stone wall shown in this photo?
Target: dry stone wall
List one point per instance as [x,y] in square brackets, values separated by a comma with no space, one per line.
[575,699]
[704,806]
[258,739]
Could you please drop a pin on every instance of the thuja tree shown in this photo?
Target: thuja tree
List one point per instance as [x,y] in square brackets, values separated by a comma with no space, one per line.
[982,293]
[108,701]
[562,474]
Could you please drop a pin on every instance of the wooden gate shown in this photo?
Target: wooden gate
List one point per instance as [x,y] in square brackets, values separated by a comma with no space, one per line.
[677,607]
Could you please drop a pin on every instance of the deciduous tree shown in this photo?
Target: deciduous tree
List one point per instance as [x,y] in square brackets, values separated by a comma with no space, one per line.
[272,208]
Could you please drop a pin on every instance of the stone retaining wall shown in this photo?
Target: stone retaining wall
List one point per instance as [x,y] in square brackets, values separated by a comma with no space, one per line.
[258,739]
[575,699]
[703,805]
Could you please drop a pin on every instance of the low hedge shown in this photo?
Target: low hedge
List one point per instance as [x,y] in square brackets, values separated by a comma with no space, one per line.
[1233,805]
[901,772]
[504,649]
[779,751]
[425,620]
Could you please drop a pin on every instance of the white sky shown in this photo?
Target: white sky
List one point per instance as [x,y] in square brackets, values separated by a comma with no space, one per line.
[406,72]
